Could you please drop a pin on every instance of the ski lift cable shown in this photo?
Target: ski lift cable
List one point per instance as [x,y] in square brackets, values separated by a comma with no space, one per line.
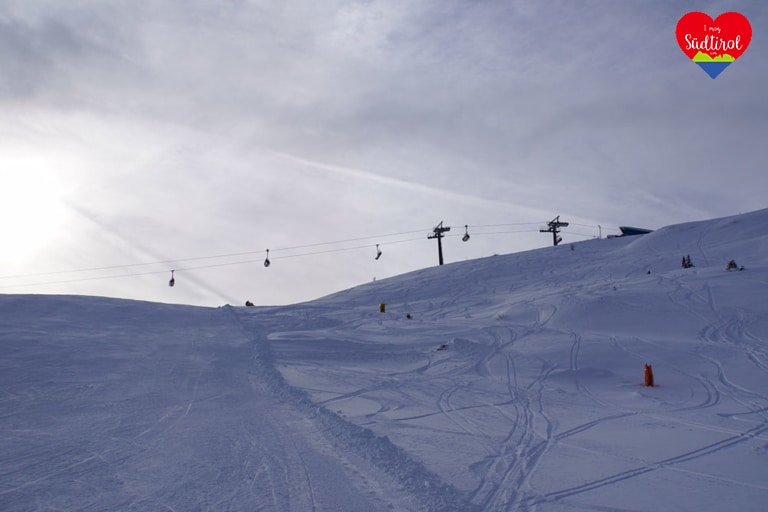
[486,233]
[503,225]
[196,267]
[246,253]
[351,240]
[200,258]
[584,225]
[83,279]
[358,247]
[232,255]
[234,263]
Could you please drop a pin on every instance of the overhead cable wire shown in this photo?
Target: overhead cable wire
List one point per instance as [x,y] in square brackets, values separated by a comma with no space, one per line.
[485,233]
[197,267]
[503,225]
[177,268]
[200,258]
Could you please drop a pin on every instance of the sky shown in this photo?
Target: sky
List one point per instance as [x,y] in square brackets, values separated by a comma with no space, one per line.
[140,137]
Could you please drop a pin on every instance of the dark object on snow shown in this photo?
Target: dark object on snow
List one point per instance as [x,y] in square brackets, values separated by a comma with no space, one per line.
[442,347]
[249,304]
[733,266]
[408,316]
[630,231]
[649,376]
[687,262]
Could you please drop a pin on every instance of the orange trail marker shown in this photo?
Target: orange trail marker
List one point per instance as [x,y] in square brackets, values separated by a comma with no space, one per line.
[649,375]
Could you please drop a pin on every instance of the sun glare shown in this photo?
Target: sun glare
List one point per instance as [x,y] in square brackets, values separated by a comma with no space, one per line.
[31,206]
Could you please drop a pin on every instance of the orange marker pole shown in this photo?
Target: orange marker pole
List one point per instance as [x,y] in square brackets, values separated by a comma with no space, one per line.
[649,375]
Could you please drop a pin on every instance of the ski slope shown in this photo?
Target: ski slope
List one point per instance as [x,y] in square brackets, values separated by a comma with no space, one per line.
[511,383]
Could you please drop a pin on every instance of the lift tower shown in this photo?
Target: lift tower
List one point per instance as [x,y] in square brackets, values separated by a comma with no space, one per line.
[553,227]
[438,233]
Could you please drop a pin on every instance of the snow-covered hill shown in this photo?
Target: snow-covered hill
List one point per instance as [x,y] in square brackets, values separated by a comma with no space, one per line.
[508,383]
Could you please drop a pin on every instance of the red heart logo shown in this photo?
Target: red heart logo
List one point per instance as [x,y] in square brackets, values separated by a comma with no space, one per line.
[728,34]
[713,44]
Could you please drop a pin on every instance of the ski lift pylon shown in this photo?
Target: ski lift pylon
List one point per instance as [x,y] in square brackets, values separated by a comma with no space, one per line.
[266,261]
[465,238]
[173,279]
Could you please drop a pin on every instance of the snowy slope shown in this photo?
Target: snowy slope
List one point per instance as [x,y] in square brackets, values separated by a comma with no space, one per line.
[516,384]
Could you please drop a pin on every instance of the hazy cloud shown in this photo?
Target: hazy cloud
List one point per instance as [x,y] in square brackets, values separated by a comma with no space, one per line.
[195,128]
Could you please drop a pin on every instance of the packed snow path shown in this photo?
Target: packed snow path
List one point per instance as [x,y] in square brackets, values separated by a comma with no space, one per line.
[512,383]
[113,405]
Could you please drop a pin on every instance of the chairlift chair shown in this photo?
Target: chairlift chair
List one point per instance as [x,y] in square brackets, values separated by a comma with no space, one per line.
[266,261]
[465,238]
[173,279]
[378,252]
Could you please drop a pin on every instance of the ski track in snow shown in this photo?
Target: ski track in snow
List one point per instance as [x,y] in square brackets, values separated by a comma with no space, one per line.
[506,482]
[514,386]
[661,464]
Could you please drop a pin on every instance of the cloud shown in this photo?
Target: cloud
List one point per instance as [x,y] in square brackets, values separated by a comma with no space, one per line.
[225,127]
